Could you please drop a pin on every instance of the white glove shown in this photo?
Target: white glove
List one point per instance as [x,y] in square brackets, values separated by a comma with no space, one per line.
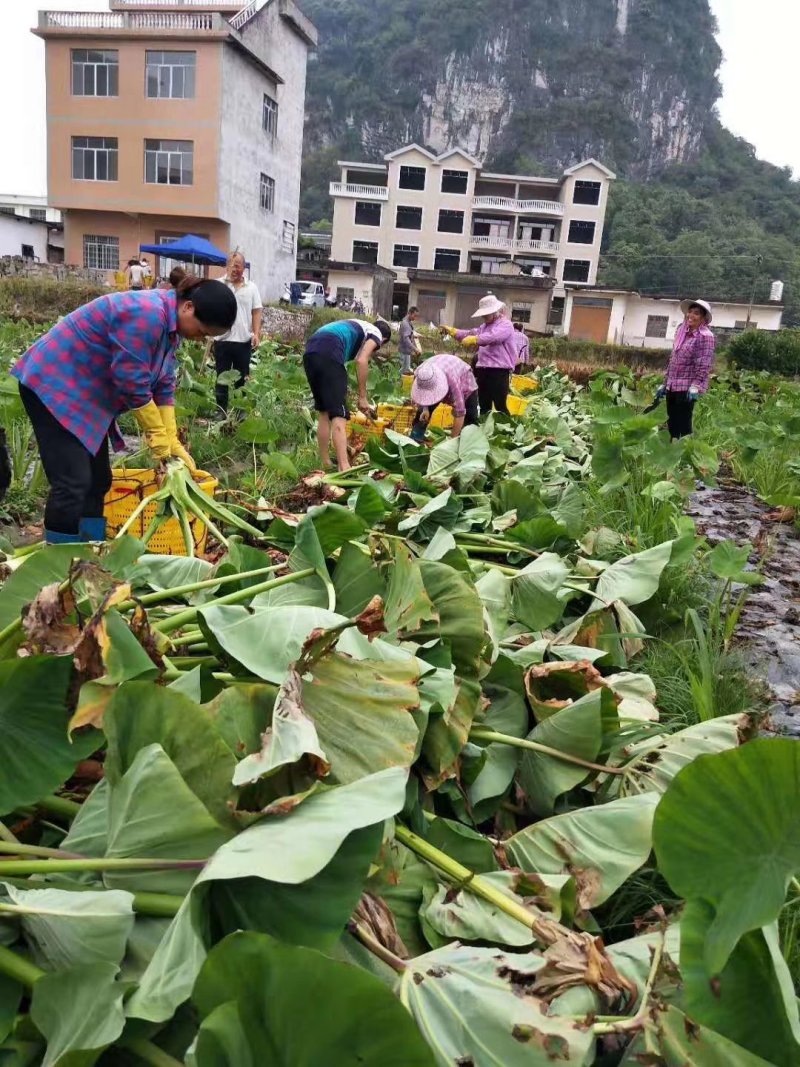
[694,393]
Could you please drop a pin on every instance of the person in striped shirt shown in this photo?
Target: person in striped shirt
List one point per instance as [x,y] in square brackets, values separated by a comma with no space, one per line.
[689,367]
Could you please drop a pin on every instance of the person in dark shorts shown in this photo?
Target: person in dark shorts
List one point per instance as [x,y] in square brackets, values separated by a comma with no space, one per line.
[325,361]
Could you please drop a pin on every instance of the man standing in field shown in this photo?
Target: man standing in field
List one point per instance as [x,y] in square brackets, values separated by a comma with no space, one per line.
[407,343]
[234,350]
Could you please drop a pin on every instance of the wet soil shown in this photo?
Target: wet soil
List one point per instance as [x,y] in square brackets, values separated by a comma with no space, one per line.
[768,635]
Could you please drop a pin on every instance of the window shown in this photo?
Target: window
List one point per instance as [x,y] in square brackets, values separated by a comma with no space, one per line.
[39,214]
[345,294]
[169,162]
[368,214]
[100,253]
[406,255]
[269,117]
[266,193]
[365,252]
[556,314]
[743,324]
[288,235]
[576,270]
[409,218]
[487,264]
[95,159]
[656,326]
[447,259]
[455,181]
[170,75]
[521,312]
[27,252]
[536,267]
[581,233]
[451,221]
[586,193]
[95,73]
[412,177]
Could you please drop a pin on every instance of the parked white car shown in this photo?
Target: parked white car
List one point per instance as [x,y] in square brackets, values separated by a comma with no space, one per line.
[311,294]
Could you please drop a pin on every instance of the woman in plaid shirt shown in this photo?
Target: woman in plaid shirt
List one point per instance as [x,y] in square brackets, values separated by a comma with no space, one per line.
[113,355]
[690,367]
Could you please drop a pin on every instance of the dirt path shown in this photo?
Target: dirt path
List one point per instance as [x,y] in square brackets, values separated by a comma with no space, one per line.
[769,632]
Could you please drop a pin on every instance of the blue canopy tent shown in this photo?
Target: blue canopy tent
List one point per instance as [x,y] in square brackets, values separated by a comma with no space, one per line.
[189,249]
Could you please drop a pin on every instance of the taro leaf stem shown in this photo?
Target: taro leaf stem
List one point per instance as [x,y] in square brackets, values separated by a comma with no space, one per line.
[66,809]
[37,851]
[14,868]
[157,905]
[478,734]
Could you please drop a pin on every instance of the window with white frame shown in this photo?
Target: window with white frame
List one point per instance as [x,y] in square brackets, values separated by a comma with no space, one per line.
[95,72]
[581,233]
[100,253]
[656,326]
[577,270]
[288,235]
[365,252]
[39,214]
[406,256]
[368,213]
[412,178]
[521,312]
[170,75]
[447,259]
[169,162]
[409,218]
[455,181]
[587,193]
[95,159]
[451,221]
[269,116]
[266,193]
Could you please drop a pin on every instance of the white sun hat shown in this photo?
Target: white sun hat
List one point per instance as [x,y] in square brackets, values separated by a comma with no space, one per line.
[430,384]
[489,305]
[686,304]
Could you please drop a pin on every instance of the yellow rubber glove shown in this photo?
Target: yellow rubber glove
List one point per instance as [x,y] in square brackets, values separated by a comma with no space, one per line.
[155,433]
[470,342]
[449,329]
[176,449]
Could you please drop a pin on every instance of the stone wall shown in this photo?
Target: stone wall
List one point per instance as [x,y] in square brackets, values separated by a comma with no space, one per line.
[286,325]
[17,267]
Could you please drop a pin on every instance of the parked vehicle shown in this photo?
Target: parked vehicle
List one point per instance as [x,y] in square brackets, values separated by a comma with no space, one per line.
[306,294]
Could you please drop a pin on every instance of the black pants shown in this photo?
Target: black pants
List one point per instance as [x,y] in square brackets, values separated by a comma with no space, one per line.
[679,414]
[470,418]
[231,355]
[493,386]
[78,480]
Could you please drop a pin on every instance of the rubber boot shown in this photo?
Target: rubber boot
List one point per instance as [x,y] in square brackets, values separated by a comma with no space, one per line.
[92,529]
[52,537]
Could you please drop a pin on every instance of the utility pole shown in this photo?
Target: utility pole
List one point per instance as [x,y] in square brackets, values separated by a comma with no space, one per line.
[756,272]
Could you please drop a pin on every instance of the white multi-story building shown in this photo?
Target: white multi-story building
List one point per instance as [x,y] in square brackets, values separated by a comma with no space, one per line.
[451,230]
[168,117]
[30,229]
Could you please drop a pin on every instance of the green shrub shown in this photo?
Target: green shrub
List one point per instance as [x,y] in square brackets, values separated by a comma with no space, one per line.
[778,353]
[568,350]
[40,300]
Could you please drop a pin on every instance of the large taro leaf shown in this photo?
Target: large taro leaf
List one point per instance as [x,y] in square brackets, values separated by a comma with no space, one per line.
[461,624]
[473,1006]
[600,847]
[11,993]
[448,733]
[462,458]
[267,640]
[35,753]
[171,572]
[651,765]
[356,580]
[407,604]
[671,1039]
[88,834]
[443,510]
[153,814]
[48,565]
[315,591]
[241,714]
[752,1000]
[282,853]
[63,928]
[726,832]
[552,687]
[143,714]
[577,730]
[79,1012]
[535,591]
[634,579]
[335,526]
[506,714]
[263,1002]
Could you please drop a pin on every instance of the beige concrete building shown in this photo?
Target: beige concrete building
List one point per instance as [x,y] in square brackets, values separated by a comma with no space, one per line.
[620,317]
[452,230]
[167,117]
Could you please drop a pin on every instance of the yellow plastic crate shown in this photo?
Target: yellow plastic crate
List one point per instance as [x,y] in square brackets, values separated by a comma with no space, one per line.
[367,428]
[442,418]
[408,381]
[400,417]
[523,384]
[129,488]
[517,405]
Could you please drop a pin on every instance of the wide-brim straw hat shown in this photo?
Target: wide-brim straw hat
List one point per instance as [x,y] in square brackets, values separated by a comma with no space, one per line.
[687,304]
[429,386]
[489,305]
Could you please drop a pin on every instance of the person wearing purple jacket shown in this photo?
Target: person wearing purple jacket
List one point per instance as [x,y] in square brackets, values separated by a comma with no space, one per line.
[497,353]
[689,368]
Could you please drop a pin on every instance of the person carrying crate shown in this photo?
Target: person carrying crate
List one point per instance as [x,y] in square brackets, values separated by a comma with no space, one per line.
[115,354]
[328,351]
[444,379]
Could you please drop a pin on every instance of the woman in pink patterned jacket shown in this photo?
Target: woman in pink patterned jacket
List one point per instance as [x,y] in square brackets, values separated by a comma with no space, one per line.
[689,368]
[497,353]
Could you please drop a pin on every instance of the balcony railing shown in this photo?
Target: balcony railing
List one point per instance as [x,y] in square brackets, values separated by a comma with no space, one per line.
[510,244]
[215,5]
[519,207]
[360,192]
[195,21]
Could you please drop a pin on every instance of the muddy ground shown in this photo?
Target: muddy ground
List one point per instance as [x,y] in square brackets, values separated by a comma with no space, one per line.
[769,632]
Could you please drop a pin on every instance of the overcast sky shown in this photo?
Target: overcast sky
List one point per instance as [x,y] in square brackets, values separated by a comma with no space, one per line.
[759,40]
